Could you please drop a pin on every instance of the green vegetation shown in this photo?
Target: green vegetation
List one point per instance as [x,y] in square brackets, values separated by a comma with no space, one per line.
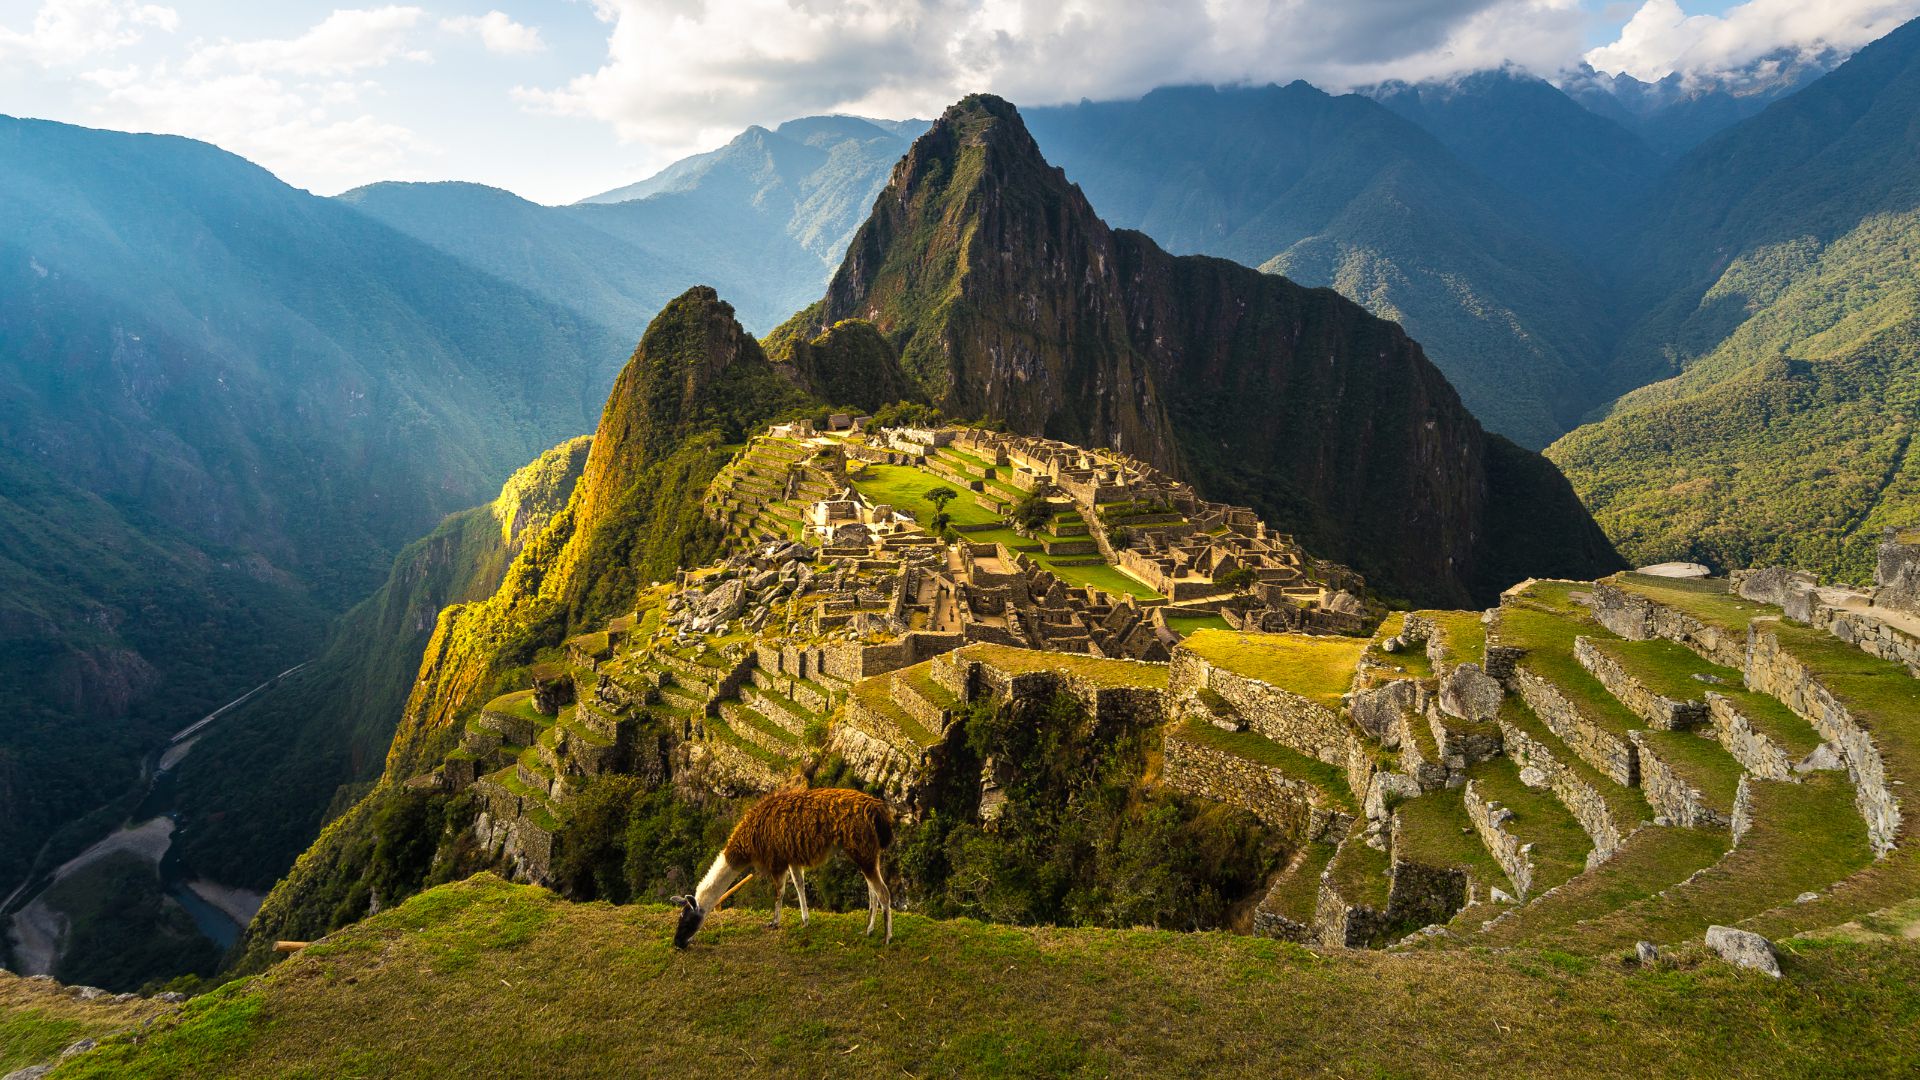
[1560,846]
[125,931]
[422,985]
[1099,575]
[1096,670]
[1082,839]
[1187,624]
[1777,277]
[1434,830]
[38,1020]
[1652,859]
[1319,669]
[907,488]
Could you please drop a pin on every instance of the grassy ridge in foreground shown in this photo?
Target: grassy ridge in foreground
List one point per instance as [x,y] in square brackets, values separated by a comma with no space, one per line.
[486,978]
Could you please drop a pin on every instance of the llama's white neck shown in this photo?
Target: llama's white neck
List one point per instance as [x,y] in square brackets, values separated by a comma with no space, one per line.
[720,877]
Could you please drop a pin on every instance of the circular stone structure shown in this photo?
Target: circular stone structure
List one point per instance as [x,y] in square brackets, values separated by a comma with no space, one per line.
[1676,570]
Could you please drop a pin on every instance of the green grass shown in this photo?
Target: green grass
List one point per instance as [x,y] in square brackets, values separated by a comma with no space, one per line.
[38,1020]
[1096,670]
[1187,624]
[1805,837]
[1626,805]
[520,704]
[1768,716]
[1330,780]
[1434,830]
[877,695]
[1698,760]
[1667,668]
[1652,859]
[1548,639]
[1102,576]
[1319,669]
[904,487]
[718,730]
[1464,635]
[1297,892]
[1413,660]
[1705,599]
[494,979]
[1887,701]
[1359,874]
[1560,845]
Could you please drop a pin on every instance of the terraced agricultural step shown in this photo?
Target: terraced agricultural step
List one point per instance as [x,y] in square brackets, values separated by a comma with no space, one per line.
[1802,838]
[1286,910]
[1654,679]
[1573,704]
[1765,737]
[764,763]
[1303,798]
[681,697]
[1652,859]
[753,725]
[1607,811]
[1351,908]
[1527,830]
[916,691]
[1434,839]
[781,709]
[1689,780]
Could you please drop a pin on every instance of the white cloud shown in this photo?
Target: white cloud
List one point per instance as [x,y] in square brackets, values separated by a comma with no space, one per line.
[288,104]
[291,128]
[498,32]
[72,31]
[347,40]
[679,75]
[1662,38]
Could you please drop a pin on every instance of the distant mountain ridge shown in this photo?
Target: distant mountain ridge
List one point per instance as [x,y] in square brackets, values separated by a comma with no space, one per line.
[1781,341]
[224,405]
[764,219]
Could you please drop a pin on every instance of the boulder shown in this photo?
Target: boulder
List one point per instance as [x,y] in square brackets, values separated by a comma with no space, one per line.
[1744,949]
[1471,694]
[1647,953]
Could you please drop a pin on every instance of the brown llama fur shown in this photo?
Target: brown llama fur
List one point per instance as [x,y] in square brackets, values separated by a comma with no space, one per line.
[789,832]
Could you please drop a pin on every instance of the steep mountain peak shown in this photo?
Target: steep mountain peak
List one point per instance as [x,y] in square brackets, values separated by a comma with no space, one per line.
[1007,297]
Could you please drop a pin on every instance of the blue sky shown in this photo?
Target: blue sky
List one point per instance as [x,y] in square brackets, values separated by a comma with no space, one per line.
[558,99]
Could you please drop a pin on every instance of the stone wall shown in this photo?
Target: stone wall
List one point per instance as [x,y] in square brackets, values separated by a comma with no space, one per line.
[1611,754]
[1771,670]
[1584,801]
[1897,572]
[1674,801]
[1281,715]
[1662,712]
[1637,618]
[1490,821]
[1755,752]
[1338,924]
[1294,808]
[1875,636]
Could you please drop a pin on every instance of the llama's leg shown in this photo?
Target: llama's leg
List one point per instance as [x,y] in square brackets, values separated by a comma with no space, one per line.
[886,900]
[779,898]
[800,890]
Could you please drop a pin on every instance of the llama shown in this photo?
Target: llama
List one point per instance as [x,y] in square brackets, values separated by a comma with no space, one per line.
[781,837]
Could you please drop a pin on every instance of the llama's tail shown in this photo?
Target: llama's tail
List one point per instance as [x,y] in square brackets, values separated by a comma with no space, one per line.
[883,825]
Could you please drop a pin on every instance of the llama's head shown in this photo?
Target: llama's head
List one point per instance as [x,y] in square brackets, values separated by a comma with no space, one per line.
[690,919]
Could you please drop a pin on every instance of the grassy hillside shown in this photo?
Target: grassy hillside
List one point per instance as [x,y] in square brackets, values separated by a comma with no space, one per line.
[483,977]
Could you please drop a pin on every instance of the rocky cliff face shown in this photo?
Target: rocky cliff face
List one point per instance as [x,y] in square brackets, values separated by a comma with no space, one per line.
[1006,296]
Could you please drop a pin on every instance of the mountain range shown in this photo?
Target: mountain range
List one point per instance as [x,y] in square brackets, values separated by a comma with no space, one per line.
[230,405]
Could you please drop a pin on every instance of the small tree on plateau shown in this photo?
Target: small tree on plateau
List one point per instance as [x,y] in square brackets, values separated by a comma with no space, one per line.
[940,497]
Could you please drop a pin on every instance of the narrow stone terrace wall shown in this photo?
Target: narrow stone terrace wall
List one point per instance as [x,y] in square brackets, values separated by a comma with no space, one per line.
[1772,670]
[1281,715]
[1292,807]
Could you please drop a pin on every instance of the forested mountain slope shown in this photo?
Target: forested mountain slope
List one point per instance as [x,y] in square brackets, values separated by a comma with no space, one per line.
[224,405]
[1777,265]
